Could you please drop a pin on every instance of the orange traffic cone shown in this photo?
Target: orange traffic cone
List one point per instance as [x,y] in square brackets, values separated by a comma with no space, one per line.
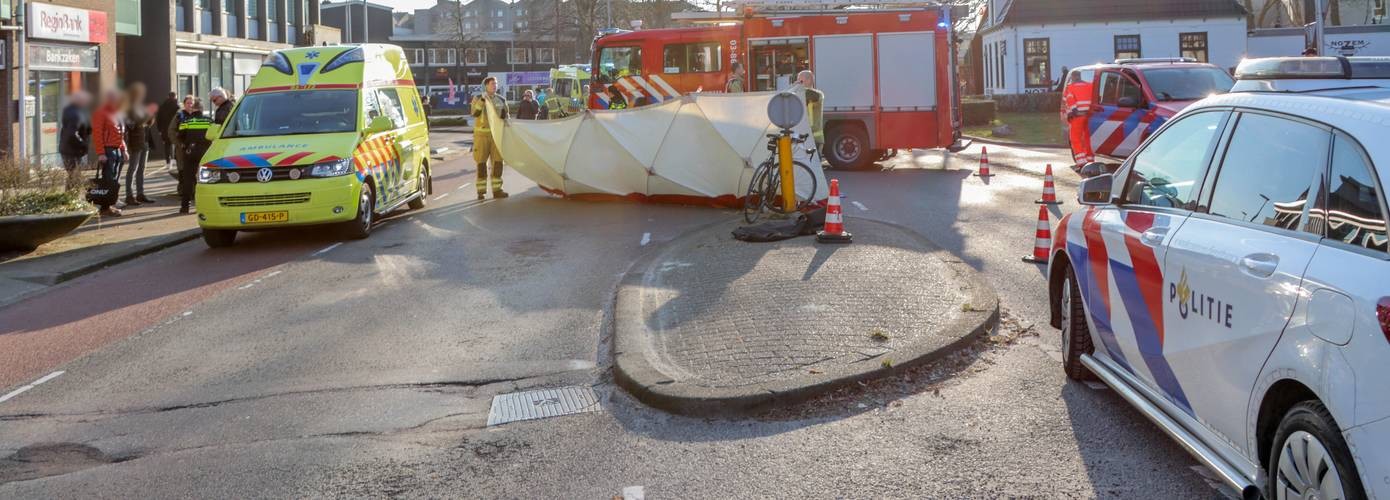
[834,231]
[1042,240]
[1049,196]
[984,163]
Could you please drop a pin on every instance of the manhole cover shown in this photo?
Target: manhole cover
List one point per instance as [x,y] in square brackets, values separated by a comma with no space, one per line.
[543,403]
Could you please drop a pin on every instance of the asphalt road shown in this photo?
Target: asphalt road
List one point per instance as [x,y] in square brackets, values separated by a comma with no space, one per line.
[295,366]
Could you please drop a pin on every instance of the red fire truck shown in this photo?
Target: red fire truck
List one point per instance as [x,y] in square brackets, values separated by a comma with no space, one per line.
[888,73]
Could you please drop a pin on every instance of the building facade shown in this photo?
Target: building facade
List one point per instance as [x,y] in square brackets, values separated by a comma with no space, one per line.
[359,20]
[63,46]
[1026,44]
[214,43]
[452,47]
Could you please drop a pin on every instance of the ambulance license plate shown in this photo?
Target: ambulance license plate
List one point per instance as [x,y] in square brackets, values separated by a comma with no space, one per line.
[264,217]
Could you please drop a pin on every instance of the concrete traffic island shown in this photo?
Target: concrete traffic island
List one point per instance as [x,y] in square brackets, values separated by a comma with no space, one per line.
[708,325]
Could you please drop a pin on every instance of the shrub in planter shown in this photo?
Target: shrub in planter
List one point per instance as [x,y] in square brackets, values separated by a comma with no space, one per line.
[977,112]
[37,204]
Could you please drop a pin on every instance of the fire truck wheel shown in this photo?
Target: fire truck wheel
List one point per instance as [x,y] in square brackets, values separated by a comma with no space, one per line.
[847,147]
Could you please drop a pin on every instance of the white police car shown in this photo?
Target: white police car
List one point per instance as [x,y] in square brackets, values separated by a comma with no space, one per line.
[1231,280]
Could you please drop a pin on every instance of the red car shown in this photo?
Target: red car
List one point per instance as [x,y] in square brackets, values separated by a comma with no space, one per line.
[1131,98]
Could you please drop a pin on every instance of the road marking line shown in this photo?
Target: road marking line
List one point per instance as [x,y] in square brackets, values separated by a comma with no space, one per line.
[646,238]
[328,248]
[440,197]
[634,493]
[31,385]
[460,188]
[258,280]
[859,205]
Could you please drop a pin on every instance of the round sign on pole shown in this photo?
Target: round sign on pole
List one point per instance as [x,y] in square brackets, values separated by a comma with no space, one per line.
[785,110]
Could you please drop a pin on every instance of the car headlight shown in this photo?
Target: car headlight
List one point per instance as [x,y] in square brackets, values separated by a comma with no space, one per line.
[332,168]
[208,175]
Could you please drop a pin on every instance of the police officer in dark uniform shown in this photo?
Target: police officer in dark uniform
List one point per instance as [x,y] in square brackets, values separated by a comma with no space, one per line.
[192,135]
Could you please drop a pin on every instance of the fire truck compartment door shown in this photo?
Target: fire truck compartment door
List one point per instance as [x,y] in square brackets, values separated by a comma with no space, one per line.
[913,59]
[844,66]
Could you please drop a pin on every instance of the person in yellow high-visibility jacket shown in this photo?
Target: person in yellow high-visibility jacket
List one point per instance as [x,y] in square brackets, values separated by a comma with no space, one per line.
[484,149]
[815,103]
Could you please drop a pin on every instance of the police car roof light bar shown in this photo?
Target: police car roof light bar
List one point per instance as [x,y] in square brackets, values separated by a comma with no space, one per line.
[769,5]
[1314,68]
[1145,60]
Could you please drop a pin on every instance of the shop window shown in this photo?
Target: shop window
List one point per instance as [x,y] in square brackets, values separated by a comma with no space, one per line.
[475,57]
[1128,47]
[1037,62]
[545,55]
[692,58]
[1193,45]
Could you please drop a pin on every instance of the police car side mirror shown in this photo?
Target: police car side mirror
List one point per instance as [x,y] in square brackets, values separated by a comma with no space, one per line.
[214,131]
[1095,190]
[1128,102]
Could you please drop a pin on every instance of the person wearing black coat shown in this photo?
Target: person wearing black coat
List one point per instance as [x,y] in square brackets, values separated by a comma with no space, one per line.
[527,109]
[163,118]
[75,134]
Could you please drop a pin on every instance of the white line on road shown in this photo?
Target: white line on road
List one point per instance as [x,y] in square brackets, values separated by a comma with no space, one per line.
[633,493]
[440,197]
[859,205]
[328,248]
[258,280]
[646,238]
[460,188]
[32,385]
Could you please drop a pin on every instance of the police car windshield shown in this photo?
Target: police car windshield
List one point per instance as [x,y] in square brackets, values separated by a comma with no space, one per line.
[294,112]
[1187,84]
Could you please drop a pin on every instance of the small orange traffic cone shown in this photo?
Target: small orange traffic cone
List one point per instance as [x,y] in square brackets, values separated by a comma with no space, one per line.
[1049,195]
[834,231]
[1042,239]
[984,163]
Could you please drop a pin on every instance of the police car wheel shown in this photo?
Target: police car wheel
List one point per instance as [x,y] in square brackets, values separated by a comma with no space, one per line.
[426,188]
[1310,459]
[1076,335]
[218,238]
[361,226]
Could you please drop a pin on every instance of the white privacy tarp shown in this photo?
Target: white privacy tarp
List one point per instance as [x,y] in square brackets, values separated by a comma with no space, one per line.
[699,148]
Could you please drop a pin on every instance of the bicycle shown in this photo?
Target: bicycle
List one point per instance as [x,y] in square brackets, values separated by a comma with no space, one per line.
[765,186]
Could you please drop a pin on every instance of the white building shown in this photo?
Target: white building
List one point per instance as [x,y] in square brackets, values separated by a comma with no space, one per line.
[1027,43]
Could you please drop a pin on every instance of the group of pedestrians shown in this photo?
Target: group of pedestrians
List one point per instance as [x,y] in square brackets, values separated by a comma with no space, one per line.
[122,131]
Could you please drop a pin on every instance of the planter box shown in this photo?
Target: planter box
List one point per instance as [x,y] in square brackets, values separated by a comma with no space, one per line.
[27,232]
[977,112]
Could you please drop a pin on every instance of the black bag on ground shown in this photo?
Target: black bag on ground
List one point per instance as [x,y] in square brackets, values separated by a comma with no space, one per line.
[103,192]
[777,230]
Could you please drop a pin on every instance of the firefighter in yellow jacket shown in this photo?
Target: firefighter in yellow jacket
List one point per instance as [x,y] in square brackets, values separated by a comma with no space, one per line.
[484,149]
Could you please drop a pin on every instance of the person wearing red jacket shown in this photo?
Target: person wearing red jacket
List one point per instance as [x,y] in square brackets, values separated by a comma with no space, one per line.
[108,140]
[1078,99]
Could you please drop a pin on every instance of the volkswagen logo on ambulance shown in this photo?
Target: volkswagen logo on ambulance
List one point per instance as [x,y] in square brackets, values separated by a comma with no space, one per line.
[264,174]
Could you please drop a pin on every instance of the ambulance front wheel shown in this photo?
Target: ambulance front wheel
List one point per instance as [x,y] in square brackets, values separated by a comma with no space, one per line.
[360,227]
[218,238]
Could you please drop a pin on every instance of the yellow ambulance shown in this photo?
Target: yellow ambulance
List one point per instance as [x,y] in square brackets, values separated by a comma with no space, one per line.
[324,135]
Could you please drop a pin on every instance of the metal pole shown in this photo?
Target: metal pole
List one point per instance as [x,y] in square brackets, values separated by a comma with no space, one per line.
[609,8]
[23,71]
[784,166]
[1317,26]
[366,23]
[347,12]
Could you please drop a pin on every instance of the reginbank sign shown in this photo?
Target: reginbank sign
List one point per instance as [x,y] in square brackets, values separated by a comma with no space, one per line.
[53,22]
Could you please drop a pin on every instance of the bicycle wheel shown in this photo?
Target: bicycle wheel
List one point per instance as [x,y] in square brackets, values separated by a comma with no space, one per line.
[753,199]
[774,188]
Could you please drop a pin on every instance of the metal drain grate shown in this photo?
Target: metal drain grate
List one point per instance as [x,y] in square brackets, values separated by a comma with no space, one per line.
[543,403]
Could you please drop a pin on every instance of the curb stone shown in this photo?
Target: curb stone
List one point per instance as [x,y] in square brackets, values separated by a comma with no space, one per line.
[636,374]
[100,261]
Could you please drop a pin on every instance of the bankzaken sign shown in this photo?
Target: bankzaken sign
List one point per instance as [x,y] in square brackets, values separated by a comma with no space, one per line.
[54,22]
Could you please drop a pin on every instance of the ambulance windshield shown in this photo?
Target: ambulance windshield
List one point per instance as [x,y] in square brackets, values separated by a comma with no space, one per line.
[294,112]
